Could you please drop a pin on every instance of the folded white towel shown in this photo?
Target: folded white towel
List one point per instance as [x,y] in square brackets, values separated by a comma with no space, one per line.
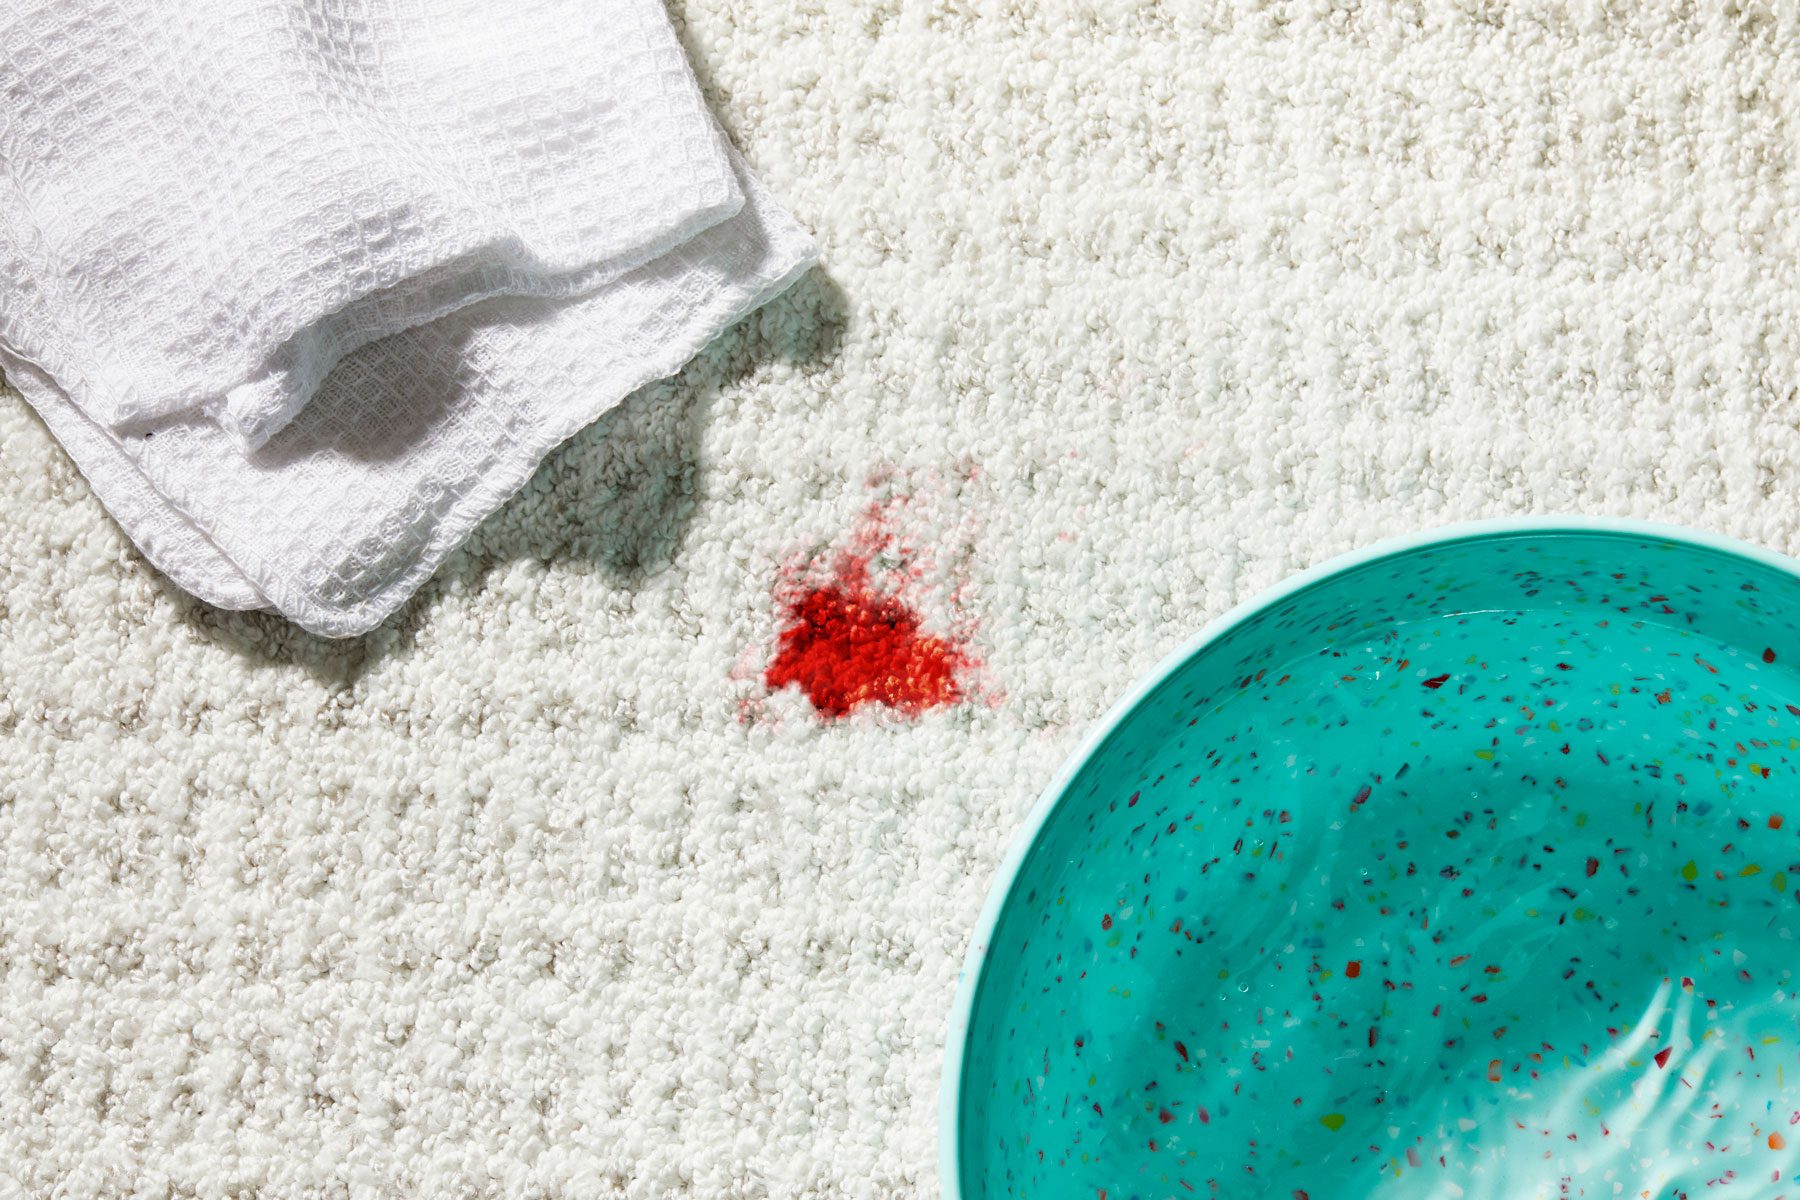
[308,288]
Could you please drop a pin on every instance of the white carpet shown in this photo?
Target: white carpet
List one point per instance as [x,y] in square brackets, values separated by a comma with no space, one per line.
[536,892]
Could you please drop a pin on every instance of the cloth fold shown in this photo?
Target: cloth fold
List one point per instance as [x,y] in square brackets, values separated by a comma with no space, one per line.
[308,288]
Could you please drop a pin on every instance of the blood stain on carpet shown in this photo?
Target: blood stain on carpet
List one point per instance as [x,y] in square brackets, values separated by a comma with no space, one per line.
[846,643]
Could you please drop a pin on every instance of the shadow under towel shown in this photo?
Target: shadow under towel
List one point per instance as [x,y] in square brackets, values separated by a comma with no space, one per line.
[414,440]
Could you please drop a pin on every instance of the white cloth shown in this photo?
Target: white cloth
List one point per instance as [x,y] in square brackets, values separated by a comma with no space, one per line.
[307,289]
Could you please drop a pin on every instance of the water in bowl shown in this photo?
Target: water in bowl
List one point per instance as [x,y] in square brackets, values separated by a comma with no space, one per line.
[1490,903]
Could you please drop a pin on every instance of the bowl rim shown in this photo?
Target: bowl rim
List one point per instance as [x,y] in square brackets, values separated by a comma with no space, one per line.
[1026,836]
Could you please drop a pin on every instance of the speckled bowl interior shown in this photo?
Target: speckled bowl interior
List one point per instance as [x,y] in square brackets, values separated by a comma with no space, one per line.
[1467,869]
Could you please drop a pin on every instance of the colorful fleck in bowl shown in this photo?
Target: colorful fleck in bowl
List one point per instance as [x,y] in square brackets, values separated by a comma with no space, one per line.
[1463,867]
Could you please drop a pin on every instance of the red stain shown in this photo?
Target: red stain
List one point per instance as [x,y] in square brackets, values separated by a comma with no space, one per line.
[1768,654]
[1662,1056]
[1352,969]
[1437,681]
[846,643]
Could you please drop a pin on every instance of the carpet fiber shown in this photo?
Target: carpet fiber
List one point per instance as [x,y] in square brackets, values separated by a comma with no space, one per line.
[1127,311]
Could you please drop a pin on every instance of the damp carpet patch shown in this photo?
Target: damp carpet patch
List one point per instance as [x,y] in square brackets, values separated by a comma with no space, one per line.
[1127,311]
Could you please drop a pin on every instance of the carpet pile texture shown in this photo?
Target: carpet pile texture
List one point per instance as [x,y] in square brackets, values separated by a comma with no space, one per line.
[1127,310]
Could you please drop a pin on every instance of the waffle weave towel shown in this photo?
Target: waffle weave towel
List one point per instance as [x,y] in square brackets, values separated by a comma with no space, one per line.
[308,287]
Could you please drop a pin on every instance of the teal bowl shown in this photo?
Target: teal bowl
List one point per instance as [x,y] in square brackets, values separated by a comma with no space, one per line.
[1463,867]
